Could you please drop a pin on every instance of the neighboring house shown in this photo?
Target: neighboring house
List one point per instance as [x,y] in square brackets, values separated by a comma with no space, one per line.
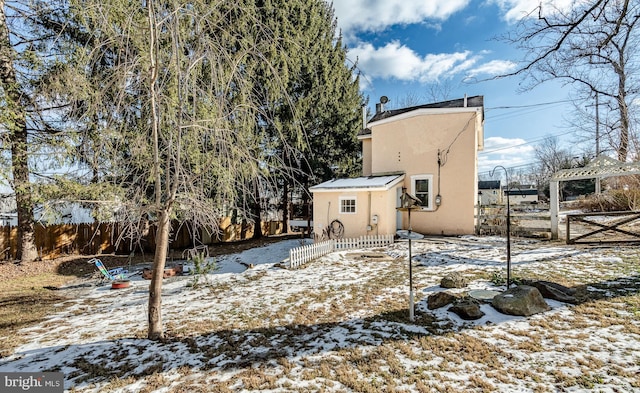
[524,194]
[431,151]
[489,192]
[62,213]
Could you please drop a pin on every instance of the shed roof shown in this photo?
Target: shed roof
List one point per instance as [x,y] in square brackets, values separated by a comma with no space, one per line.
[366,183]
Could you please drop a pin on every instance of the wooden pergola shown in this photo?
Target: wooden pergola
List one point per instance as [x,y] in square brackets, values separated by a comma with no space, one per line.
[600,168]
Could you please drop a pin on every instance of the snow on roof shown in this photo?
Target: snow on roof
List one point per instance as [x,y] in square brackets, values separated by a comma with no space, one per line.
[369,183]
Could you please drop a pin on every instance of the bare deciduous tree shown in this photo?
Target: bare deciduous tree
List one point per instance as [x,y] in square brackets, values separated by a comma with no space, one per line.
[183,138]
[594,46]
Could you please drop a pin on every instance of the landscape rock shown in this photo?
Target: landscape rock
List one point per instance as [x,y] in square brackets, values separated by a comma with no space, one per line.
[467,309]
[552,290]
[523,300]
[454,280]
[440,299]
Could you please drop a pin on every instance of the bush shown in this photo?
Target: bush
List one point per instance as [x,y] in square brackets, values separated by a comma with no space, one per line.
[202,267]
[612,200]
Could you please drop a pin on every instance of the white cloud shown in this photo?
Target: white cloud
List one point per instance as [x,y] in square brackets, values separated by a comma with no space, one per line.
[396,61]
[492,68]
[376,15]
[515,10]
[496,144]
[508,152]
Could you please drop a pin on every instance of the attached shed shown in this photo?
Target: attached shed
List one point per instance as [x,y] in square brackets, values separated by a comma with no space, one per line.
[363,205]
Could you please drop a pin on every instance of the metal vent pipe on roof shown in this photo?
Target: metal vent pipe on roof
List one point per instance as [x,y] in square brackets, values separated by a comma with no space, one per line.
[380,105]
[364,117]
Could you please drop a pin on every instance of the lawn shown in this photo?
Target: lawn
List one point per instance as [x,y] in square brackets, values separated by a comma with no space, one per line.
[340,324]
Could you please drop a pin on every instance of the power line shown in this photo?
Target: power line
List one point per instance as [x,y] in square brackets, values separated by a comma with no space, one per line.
[531,164]
[520,112]
[527,106]
[525,143]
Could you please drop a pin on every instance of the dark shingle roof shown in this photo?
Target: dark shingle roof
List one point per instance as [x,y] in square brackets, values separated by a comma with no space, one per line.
[472,102]
[489,184]
[516,191]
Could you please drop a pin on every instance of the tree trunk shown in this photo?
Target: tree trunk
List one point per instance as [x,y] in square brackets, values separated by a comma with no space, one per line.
[18,137]
[257,224]
[256,213]
[27,251]
[285,207]
[623,146]
[155,331]
[155,288]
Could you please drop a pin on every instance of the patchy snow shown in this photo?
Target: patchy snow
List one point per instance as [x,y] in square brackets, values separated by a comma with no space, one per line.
[340,324]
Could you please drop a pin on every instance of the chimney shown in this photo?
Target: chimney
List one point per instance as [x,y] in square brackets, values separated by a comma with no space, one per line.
[465,100]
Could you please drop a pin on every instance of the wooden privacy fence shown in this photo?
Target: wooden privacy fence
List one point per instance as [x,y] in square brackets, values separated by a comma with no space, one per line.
[106,238]
[525,221]
[301,255]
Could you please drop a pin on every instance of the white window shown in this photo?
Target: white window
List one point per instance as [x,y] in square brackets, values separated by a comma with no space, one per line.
[348,205]
[422,188]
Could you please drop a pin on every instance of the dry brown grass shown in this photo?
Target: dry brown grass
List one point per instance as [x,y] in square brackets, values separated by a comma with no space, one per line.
[439,362]
[24,302]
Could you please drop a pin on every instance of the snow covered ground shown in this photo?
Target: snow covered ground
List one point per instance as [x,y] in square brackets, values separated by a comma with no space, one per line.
[340,324]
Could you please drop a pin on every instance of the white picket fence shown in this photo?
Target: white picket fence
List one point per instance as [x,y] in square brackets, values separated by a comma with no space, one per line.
[300,255]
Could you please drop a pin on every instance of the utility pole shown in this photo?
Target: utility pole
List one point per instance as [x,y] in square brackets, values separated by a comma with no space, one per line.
[597,127]
[597,105]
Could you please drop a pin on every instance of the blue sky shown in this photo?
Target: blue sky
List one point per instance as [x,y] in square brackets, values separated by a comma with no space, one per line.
[402,47]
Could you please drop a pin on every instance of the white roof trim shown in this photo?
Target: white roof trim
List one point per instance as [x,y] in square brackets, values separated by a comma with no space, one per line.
[359,184]
[425,111]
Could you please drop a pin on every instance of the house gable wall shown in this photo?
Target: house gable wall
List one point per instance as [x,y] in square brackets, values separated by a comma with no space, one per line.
[411,145]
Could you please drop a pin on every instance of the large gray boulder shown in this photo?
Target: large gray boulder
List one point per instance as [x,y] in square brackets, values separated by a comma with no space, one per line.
[523,300]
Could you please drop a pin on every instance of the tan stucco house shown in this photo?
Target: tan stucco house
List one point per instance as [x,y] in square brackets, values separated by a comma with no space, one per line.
[429,150]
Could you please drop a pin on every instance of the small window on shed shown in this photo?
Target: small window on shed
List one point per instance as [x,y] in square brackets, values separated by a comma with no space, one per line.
[348,205]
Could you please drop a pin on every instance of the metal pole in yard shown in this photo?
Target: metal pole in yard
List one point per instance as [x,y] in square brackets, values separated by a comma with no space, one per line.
[411,318]
[506,174]
[508,239]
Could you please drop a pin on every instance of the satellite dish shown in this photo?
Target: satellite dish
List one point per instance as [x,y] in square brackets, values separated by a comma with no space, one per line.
[384,99]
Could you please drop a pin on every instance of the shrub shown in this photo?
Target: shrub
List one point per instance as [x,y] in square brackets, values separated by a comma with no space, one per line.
[612,200]
[201,268]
